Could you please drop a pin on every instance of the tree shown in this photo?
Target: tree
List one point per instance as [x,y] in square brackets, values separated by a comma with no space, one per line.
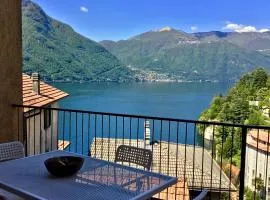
[249,194]
[235,108]
[255,118]
[259,77]
[215,107]
[258,183]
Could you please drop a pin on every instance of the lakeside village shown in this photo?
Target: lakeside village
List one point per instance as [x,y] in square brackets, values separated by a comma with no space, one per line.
[148,76]
[142,75]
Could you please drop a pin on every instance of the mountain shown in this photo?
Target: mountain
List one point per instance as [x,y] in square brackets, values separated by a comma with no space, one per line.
[215,56]
[58,53]
[255,41]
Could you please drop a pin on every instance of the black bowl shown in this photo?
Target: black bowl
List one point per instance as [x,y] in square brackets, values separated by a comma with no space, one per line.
[64,165]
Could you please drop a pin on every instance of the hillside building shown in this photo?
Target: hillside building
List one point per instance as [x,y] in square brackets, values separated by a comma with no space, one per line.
[41,125]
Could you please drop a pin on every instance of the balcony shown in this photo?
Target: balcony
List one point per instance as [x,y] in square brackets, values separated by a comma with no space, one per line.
[185,149]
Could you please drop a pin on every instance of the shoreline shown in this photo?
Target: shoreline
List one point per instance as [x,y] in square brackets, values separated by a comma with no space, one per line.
[143,81]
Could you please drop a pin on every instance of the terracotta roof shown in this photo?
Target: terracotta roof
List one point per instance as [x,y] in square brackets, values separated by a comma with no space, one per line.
[261,134]
[259,139]
[234,169]
[179,191]
[48,94]
[199,170]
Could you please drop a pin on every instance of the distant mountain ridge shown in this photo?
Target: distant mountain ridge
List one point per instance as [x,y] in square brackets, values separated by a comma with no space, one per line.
[214,56]
[248,40]
[58,53]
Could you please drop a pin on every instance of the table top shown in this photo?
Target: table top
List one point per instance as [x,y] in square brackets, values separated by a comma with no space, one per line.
[97,179]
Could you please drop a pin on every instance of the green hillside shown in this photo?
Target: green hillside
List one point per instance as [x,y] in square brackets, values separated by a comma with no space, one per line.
[58,53]
[234,107]
[247,102]
[203,56]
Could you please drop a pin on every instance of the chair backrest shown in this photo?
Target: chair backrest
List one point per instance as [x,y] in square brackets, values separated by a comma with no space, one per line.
[11,150]
[139,156]
[202,195]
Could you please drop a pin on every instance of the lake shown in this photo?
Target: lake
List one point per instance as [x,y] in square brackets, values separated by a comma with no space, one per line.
[172,100]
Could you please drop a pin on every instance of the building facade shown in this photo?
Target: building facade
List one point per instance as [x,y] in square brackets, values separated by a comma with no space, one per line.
[258,161]
[40,125]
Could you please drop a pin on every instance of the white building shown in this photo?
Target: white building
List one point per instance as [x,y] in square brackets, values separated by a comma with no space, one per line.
[40,125]
[257,159]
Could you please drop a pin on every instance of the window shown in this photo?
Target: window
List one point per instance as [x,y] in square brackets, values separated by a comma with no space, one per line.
[47,118]
[268,180]
[260,175]
[268,190]
[253,173]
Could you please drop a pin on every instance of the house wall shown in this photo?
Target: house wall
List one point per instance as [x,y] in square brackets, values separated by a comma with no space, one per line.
[40,140]
[10,70]
[257,159]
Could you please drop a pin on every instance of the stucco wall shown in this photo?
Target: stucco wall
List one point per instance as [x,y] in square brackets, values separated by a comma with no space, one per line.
[10,69]
[40,140]
[257,164]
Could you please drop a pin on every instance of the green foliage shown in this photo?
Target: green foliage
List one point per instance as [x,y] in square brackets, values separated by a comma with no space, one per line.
[249,194]
[258,183]
[256,117]
[234,108]
[214,108]
[259,78]
[58,53]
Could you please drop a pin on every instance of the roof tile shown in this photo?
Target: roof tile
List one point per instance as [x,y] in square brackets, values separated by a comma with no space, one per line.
[48,94]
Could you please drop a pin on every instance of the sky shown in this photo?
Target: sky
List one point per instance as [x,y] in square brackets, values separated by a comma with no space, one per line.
[122,19]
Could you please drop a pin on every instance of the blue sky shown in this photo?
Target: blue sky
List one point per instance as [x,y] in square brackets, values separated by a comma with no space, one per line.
[121,19]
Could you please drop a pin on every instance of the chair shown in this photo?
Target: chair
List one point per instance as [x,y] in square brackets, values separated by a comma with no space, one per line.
[139,156]
[11,150]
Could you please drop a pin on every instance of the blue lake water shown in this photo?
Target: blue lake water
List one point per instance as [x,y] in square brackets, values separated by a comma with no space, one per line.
[172,100]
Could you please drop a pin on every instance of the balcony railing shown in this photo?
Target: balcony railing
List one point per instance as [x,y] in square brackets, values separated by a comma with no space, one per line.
[223,158]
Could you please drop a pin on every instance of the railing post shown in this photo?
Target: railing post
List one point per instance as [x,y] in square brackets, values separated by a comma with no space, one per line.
[25,138]
[243,163]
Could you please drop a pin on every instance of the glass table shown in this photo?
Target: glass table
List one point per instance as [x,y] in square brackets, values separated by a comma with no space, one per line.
[97,179]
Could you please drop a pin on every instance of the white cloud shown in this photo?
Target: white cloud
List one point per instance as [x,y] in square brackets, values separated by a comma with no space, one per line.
[264,30]
[194,28]
[84,9]
[247,29]
[240,28]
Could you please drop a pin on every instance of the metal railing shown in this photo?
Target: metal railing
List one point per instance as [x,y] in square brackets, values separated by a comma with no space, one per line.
[225,159]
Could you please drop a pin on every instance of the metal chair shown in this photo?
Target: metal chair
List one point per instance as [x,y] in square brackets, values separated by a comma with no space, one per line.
[139,156]
[11,150]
